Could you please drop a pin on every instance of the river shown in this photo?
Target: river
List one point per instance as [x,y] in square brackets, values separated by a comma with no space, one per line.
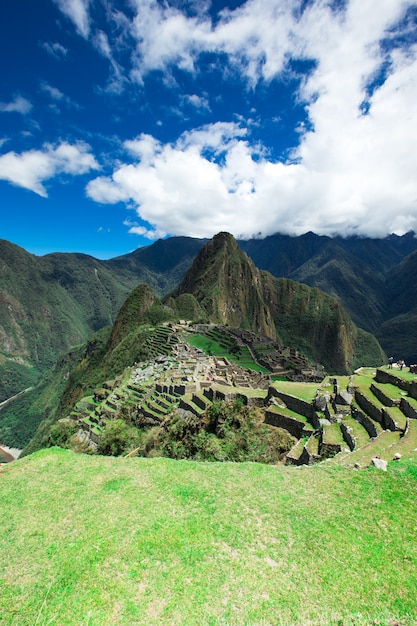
[8,454]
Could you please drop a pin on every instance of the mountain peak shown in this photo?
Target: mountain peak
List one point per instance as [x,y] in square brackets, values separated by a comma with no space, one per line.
[227,285]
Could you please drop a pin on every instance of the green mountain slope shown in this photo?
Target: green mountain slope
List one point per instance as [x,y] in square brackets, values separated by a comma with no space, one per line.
[342,275]
[227,286]
[50,303]
[223,287]
[233,292]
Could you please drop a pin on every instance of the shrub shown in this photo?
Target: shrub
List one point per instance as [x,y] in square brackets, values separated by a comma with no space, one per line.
[118,438]
[61,433]
[226,432]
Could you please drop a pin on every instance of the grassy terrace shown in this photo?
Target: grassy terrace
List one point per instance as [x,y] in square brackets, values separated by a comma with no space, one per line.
[298,448]
[312,445]
[359,432]
[288,413]
[342,381]
[212,347]
[332,434]
[398,416]
[404,374]
[381,446]
[169,542]
[305,391]
[391,391]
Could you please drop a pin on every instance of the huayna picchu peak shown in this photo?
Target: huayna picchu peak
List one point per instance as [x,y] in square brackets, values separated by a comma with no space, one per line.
[228,286]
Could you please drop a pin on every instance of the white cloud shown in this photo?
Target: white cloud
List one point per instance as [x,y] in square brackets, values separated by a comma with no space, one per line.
[256,37]
[53,92]
[55,49]
[18,105]
[200,103]
[77,12]
[351,172]
[32,168]
[57,96]
[148,233]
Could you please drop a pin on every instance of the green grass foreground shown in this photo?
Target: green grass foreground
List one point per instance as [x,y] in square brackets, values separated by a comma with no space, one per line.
[105,541]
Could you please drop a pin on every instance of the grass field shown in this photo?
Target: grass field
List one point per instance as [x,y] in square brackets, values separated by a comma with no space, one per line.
[103,541]
[213,348]
[305,391]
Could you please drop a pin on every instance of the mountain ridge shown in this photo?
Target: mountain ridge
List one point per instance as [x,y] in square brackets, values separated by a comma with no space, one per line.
[231,292]
[50,303]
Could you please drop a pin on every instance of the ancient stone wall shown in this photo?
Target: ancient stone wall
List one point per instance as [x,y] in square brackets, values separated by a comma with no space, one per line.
[366,422]
[348,436]
[329,450]
[293,426]
[387,421]
[369,408]
[382,376]
[297,405]
[407,409]
[382,397]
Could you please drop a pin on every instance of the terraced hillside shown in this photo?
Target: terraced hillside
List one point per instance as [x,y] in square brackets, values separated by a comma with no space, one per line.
[345,420]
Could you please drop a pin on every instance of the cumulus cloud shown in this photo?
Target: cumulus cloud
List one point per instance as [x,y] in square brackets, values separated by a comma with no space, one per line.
[352,173]
[77,12]
[258,37]
[353,170]
[32,168]
[18,105]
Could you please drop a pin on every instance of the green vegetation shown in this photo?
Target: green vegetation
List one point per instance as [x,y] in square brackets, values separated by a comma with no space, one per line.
[104,541]
[210,344]
[225,432]
[15,377]
[20,420]
[305,391]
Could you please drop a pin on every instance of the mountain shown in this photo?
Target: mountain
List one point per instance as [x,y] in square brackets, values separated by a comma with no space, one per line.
[341,274]
[49,304]
[52,303]
[162,265]
[223,287]
[373,279]
[233,292]
[228,286]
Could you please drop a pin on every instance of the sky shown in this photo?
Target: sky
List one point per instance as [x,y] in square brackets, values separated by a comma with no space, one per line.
[125,121]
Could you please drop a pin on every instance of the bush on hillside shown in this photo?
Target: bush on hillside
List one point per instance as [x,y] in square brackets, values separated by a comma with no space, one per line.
[228,431]
[118,438]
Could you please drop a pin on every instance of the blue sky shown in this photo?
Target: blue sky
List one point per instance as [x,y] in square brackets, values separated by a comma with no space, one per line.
[125,121]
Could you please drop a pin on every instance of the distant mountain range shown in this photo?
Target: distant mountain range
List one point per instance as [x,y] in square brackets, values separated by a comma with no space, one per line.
[50,303]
